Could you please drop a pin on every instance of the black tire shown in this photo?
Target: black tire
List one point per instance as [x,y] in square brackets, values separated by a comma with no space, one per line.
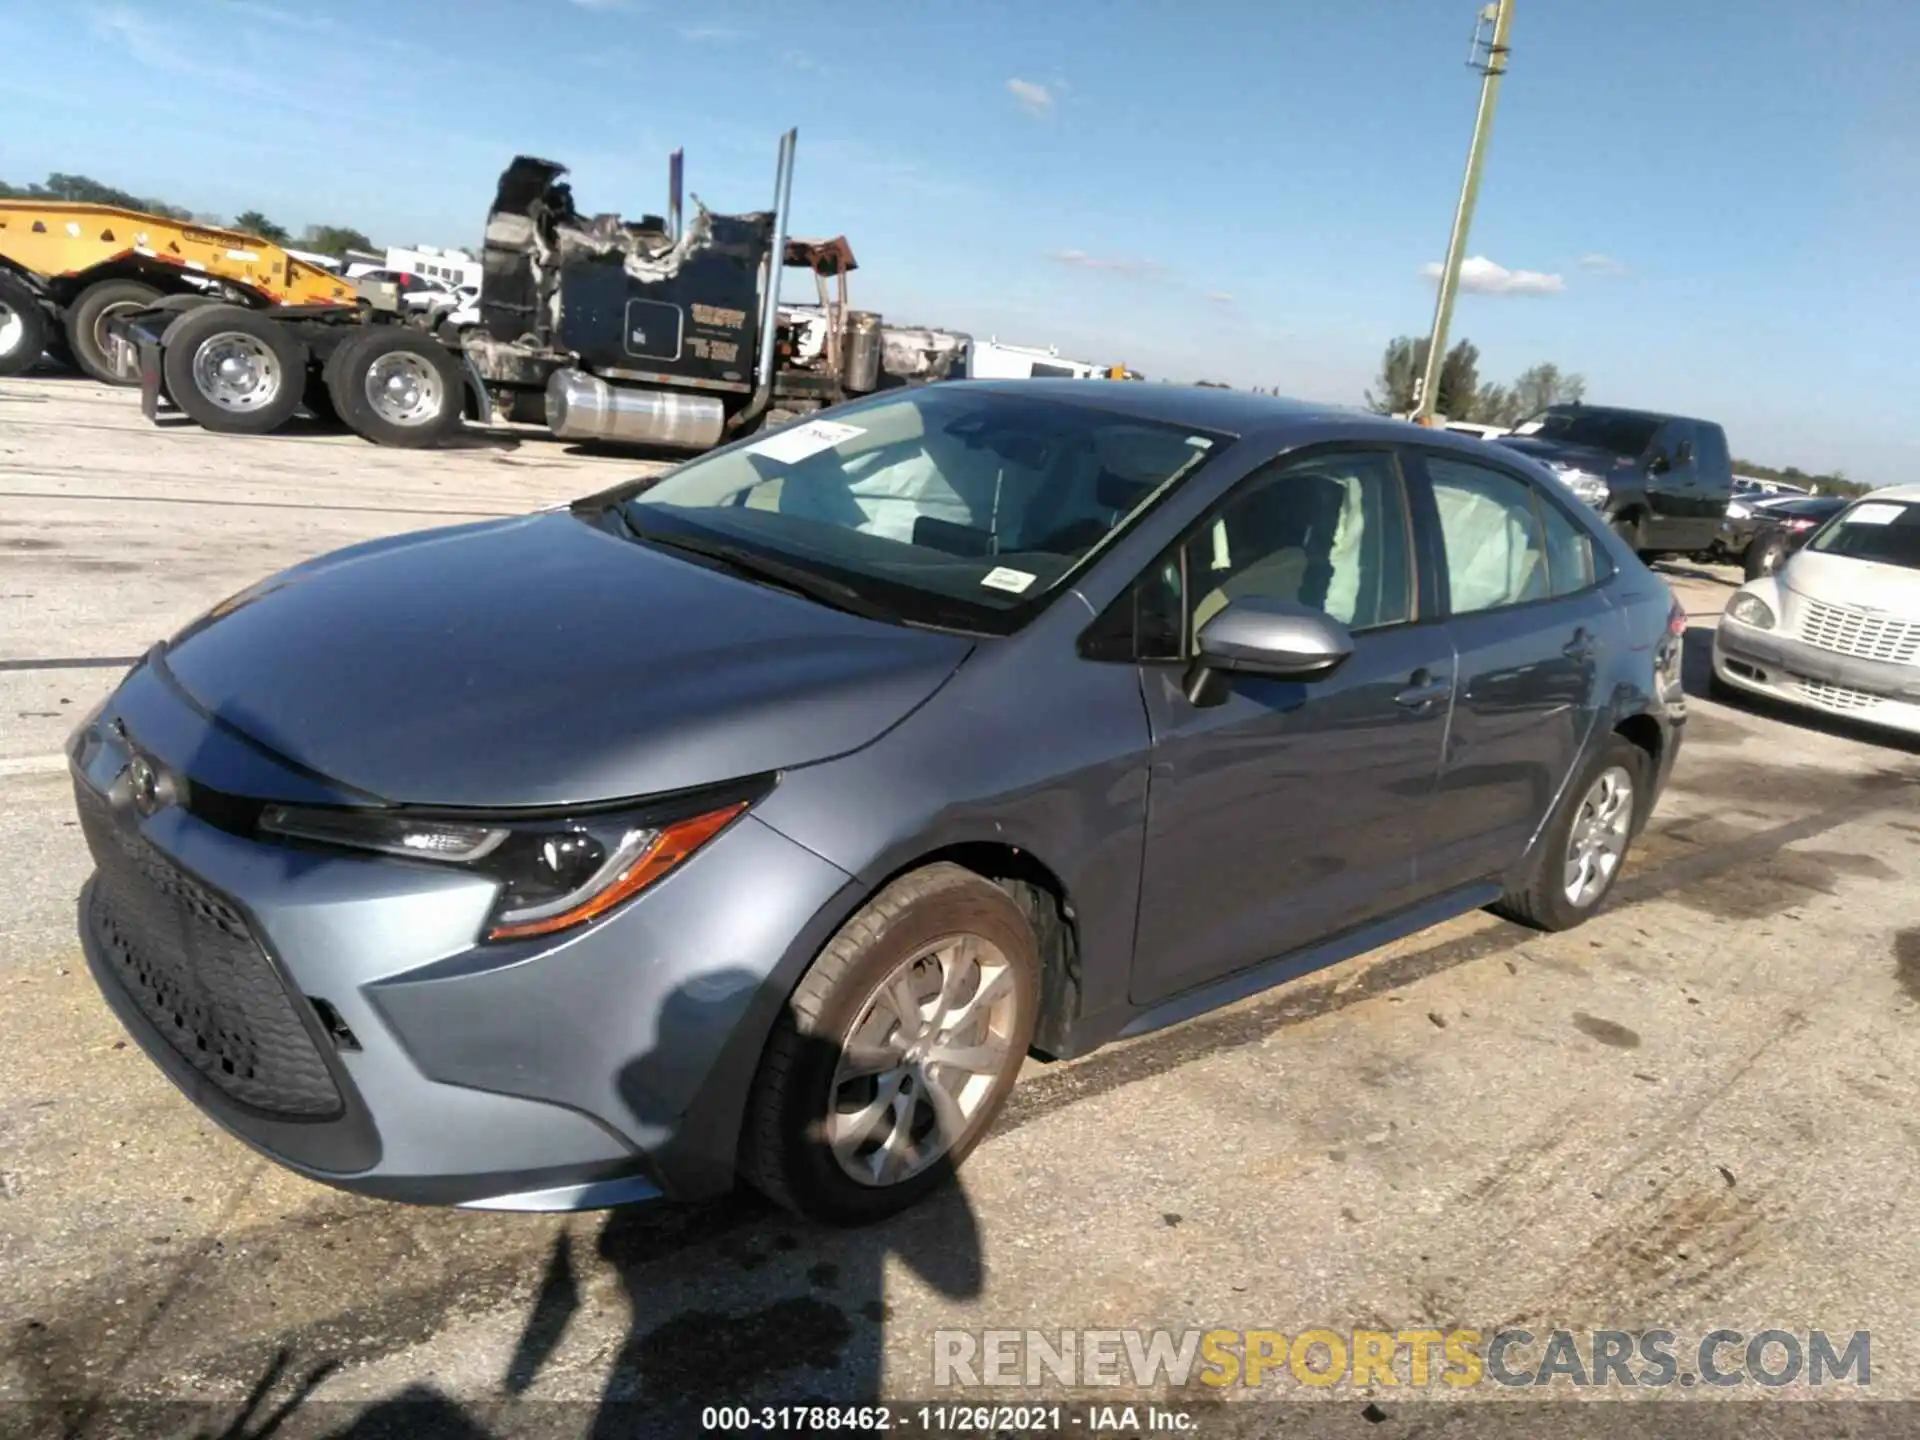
[1542,901]
[1627,527]
[318,398]
[278,358]
[435,372]
[86,322]
[25,327]
[785,1152]
[181,304]
[1764,556]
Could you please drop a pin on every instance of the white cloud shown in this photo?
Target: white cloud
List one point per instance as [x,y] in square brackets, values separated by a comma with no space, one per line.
[800,60]
[1220,297]
[604,4]
[1481,276]
[713,34]
[1031,96]
[1602,264]
[1113,264]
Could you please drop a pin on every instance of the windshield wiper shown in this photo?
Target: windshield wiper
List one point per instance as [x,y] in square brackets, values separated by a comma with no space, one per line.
[795,579]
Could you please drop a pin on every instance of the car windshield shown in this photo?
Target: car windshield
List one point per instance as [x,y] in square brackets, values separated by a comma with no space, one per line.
[1886,532]
[1612,431]
[950,504]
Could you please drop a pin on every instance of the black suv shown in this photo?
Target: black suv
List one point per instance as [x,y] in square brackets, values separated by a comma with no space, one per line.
[1662,481]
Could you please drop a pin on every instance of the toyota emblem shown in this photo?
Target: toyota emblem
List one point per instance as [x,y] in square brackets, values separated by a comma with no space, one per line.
[144,786]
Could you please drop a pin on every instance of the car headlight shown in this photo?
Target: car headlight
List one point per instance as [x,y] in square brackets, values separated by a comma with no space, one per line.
[1749,609]
[1591,488]
[553,872]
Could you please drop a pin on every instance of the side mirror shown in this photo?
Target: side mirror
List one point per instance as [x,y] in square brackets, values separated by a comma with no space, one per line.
[1257,636]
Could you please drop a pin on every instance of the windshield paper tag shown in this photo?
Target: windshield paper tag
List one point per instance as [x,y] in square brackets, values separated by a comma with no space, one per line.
[797,442]
[1874,514]
[1001,578]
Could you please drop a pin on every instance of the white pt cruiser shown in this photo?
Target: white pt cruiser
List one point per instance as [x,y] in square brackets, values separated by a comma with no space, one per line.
[1837,627]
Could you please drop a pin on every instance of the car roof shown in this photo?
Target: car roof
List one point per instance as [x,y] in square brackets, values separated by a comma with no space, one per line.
[1240,413]
[1662,415]
[1897,492]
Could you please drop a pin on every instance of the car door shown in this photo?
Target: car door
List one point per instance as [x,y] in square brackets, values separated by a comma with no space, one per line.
[1529,625]
[1673,490]
[1282,811]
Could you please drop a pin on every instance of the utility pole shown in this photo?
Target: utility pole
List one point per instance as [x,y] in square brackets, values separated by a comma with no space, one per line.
[1490,59]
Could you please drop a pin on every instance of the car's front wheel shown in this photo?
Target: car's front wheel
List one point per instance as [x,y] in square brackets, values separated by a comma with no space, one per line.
[1585,844]
[896,1050]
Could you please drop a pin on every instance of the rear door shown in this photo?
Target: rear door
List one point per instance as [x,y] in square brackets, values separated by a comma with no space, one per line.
[1673,491]
[1713,477]
[1530,627]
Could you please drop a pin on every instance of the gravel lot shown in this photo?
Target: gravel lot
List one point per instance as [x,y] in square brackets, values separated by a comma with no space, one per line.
[1695,1112]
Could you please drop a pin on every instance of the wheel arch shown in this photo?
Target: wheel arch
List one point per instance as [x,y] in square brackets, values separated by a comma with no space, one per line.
[167,279]
[1036,887]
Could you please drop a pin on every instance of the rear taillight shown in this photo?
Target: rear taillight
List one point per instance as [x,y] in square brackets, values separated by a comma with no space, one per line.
[1677,618]
[1799,525]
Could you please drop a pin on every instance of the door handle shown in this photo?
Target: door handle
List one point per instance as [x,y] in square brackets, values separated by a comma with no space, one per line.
[1426,687]
[1581,647]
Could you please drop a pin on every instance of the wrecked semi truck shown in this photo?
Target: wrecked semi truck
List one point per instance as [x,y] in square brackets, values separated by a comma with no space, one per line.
[662,332]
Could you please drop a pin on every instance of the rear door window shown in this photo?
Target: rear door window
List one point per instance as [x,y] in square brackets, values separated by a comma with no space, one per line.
[1570,557]
[1495,545]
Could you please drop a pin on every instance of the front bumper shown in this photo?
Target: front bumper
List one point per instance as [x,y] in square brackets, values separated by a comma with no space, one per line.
[608,1065]
[1796,673]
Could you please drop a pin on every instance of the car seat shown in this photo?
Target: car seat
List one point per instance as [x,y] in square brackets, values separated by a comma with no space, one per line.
[1279,545]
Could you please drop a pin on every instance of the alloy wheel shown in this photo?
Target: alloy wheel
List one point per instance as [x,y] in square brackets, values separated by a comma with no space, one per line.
[923,1060]
[1598,841]
[403,389]
[236,371]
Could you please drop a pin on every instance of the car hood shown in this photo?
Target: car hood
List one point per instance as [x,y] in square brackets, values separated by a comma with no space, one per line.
[1859,584]
[1550,452]
[544,661]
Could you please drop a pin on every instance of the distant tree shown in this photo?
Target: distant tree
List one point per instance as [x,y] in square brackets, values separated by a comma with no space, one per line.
[1459,380]
[1405,361]
[1400,367]
[89,191]
[334,239]
[1212,385]
[1833,483]
[254,223]
[1494,405]
[1543,385]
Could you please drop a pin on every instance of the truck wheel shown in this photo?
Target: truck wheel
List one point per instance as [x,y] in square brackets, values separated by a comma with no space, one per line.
[318,399]
[233,370]
[24,327]
[87,319]
[397,386]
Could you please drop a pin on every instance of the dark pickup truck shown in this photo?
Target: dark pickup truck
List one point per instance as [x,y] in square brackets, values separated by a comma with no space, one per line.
[1662,481]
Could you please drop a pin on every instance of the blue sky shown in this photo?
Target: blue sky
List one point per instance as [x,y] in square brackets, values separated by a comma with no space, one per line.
[1725,193]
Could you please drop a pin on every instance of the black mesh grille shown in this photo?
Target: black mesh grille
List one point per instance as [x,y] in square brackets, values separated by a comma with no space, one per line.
[190,962]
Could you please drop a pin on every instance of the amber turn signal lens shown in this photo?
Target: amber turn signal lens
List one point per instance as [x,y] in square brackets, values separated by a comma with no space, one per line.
[674,843]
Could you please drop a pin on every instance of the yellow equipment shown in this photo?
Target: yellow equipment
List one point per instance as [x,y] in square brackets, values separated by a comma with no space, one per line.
[74,266]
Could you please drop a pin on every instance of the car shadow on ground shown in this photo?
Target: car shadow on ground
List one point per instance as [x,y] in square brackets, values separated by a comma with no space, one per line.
[1696,678]
[669,1308]
[1687,570]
